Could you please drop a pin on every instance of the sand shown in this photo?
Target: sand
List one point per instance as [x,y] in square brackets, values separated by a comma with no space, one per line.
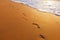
[20,22]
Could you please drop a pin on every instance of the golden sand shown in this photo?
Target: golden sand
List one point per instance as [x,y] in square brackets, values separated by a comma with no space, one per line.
[17,22]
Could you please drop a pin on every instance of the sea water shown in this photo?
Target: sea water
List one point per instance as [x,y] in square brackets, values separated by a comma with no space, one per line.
[43,5]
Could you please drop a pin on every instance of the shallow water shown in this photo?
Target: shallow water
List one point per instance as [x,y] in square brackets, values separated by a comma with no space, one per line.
[46,6]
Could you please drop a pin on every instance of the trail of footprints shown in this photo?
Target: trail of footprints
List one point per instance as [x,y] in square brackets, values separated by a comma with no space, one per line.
[35,24]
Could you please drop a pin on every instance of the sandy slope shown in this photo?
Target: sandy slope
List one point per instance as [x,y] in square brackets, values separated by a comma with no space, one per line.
[17,22]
